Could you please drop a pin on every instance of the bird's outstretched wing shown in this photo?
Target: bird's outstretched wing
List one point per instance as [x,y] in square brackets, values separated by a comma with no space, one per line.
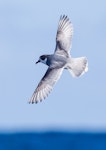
[46,84]
[64,36]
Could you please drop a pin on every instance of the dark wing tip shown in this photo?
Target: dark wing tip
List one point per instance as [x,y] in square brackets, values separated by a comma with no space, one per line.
[63,16]
[32,102]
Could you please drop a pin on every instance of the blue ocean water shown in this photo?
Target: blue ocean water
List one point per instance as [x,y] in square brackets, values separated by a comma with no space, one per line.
[52,141]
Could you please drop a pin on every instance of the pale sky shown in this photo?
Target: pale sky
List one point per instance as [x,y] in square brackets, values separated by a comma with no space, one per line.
[28,30]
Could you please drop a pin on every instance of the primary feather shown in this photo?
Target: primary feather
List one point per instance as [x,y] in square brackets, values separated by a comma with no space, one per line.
[64,36]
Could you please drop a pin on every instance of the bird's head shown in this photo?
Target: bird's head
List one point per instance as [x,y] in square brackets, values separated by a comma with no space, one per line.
[43,59]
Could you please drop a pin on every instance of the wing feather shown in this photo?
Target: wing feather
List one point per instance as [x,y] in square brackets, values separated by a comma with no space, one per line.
[46,84]
[64,36]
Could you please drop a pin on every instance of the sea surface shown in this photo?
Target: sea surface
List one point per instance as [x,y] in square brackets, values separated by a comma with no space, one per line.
[52,141]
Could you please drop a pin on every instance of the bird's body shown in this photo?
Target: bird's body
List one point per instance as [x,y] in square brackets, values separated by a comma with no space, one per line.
[60,60]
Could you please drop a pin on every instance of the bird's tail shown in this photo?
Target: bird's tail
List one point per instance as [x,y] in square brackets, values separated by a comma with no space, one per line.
[78,66]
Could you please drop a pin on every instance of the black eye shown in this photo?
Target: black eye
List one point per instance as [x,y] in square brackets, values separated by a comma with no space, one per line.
[42,57]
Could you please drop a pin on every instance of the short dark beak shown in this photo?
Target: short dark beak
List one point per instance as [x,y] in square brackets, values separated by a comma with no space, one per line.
[38,61]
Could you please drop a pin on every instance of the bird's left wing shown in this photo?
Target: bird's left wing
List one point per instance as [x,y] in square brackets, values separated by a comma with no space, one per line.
[64,36]
[46,84]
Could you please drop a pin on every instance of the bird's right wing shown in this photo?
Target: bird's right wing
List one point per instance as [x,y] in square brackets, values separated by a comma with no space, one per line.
[46,84]
[64,36]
